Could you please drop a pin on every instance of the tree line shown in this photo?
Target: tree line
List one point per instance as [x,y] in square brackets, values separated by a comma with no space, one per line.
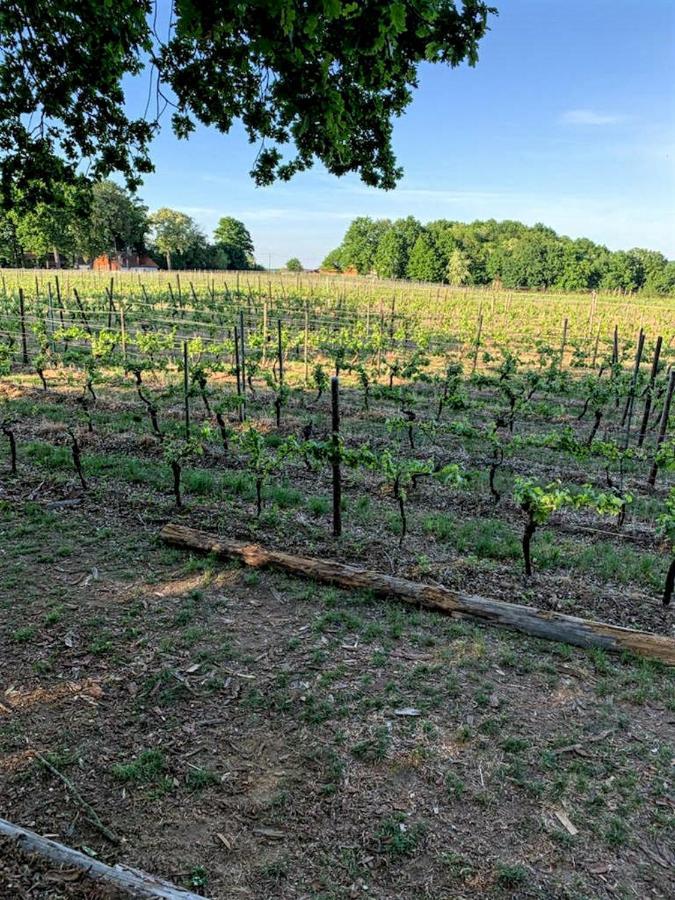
[508,253]
[80,224]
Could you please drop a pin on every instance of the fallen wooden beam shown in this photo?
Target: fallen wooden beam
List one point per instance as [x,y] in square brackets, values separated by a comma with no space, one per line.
[540,623]
[135,883]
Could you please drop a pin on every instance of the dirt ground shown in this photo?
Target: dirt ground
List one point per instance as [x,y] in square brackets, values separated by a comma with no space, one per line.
[251,736]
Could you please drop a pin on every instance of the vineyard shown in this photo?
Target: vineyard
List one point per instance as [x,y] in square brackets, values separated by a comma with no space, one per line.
[507,445]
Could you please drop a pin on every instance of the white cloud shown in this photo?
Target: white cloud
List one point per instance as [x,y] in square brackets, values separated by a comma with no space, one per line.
[591,117]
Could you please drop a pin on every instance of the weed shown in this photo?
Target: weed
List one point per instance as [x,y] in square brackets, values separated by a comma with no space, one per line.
[397,838]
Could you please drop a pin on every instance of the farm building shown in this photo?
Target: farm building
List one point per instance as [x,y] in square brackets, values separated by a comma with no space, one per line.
[132,262]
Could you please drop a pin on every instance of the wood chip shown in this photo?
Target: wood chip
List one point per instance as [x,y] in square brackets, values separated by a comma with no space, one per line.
[599,868]
[564,820]
[272,833]
[407,711]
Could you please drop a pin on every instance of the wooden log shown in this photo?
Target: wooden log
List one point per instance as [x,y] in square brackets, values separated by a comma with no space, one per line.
[551,626]
[136,883]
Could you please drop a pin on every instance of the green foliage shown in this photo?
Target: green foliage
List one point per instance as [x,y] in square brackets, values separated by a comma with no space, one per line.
[541,502]
[425,262]
[360,244]
[538,502]
[509,252]
[294,265]
[319,76]
[233,238]
[115,221]
[173,232]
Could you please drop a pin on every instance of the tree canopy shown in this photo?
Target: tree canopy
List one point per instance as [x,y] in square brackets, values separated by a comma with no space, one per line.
[235,242]
[309,79]
[484,252]
[173,232]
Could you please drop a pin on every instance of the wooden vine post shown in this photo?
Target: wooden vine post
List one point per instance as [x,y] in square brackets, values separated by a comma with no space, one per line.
[335,455]
[264,332]
[479,332]
[634,377]
[123,333]
[595,348]
[50,314]
[242,355]
[83,315]
[59,301]
[551,626]
[22,317]
[280,353]
[111,305]
[306,343]
[664,426]
[650,391]
[237,372]
[563,343]
[186,390]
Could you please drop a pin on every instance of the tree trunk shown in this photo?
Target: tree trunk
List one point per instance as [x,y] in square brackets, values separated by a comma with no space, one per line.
[131,881]
[168,260]
[529,620]
[594,429]
[57,257]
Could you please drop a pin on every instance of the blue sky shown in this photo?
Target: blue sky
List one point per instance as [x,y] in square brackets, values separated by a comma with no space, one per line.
[568,119]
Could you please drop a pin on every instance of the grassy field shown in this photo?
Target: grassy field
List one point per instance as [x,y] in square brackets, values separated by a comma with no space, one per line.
[247,734]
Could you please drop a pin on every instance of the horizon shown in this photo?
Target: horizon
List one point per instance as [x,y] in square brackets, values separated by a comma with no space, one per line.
[551,126]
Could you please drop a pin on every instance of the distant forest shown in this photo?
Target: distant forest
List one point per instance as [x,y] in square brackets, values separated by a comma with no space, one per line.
[507,253]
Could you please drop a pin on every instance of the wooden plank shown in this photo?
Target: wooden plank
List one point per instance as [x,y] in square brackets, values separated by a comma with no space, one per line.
[136,883]
[526,619]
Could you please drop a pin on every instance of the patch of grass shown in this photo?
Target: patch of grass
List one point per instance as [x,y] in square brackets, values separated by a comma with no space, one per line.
[397,838]
[487,539]
[103,643]
[54,616]
[24,634]
[510,875]
[375,747]
[618,564]
[199,481]
[284,495]
[454,785]
[318,506]
[514,745]
[616,832]
[442,527]
[459,867]
[148,767]
[163,688]
[197,778]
